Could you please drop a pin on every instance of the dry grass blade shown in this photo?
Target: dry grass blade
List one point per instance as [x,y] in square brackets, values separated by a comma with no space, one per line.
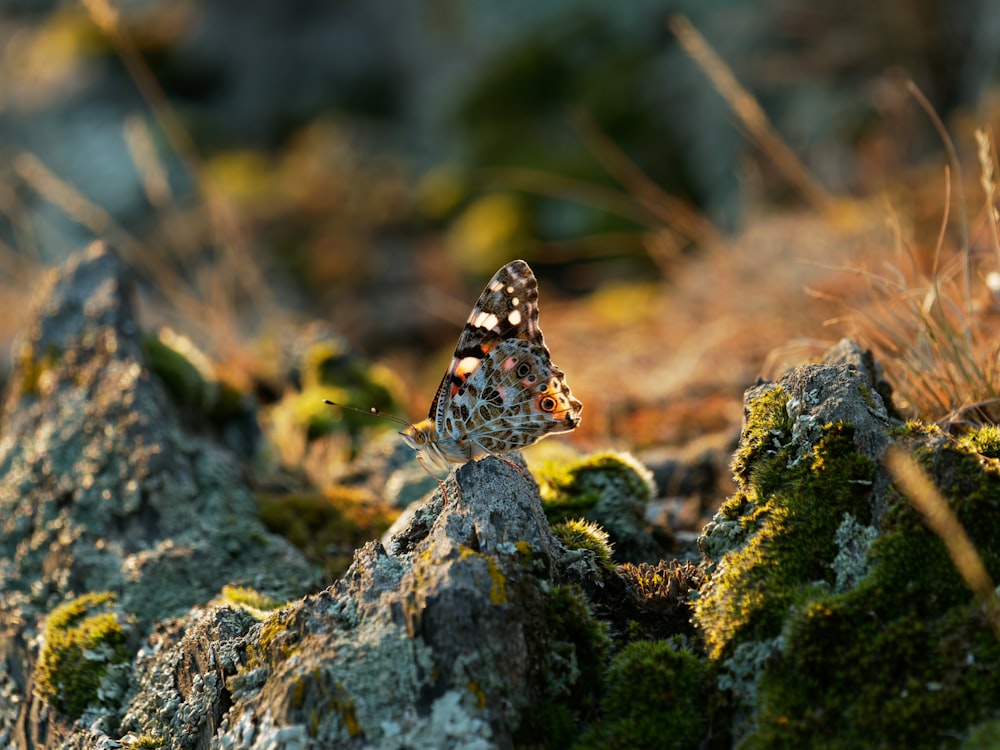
[957,167]
[988,169]
[668,209]
[920,490]
[243,272]
[750,114]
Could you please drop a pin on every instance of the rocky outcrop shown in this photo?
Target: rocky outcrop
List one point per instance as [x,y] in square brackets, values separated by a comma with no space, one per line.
[101,491]
[145,605]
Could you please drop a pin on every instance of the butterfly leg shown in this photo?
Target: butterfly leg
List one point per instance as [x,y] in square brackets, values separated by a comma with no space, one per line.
[435,477]
[501,458]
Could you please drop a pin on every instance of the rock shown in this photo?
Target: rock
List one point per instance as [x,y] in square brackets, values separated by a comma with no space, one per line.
[458,636]
[831,615]
[102,491]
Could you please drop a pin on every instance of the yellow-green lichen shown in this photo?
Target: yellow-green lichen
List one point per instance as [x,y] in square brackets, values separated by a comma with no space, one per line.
[274,643]
[82,639]
[250,600]
[498,582]
[33,370]
[477,691]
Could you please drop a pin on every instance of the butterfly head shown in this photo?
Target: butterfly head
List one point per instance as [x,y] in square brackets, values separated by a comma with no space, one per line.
[423,438]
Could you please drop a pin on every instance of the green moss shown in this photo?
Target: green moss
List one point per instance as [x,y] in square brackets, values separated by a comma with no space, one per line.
[786,515]
[983,440]
[767,432]
[144,742]
[985,736]
[82,639]
[612,489]
[330,371]
[657,697]
[903,657]
[584,483]
[580,533]
[570,650]
[192,379]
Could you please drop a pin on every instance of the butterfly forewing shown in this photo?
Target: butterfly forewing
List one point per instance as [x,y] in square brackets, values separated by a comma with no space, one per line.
[507,309]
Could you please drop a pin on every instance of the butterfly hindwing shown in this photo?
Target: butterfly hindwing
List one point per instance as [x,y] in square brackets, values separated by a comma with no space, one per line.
[513,400]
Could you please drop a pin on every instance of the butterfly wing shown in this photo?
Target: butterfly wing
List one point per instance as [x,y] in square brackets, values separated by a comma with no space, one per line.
[507,309]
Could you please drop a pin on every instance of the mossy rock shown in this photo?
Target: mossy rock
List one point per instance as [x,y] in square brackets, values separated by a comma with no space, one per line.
[611,489]
[570,663]
[835,616]
[780,528]
[906,658]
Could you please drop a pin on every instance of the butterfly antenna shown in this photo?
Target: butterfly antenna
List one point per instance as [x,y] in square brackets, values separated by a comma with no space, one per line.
[372,412]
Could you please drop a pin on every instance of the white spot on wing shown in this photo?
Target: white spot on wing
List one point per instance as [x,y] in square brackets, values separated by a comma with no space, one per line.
[510,290]
[514,301]
[466,365]
[514,317]
[485,320]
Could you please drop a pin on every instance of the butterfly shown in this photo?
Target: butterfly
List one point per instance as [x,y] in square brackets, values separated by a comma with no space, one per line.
[501,391]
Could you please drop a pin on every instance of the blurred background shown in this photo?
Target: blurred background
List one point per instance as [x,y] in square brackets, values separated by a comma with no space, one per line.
[281,174]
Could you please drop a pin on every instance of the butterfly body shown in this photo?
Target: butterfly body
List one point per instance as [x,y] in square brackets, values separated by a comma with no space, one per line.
[501,391]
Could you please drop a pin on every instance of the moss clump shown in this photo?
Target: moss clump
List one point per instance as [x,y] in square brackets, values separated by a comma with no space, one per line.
[192,379]
[983,440]
[580,533]
[784,520]
[767,432]
[570,651]
[657,698]
[612,489]
[82,639]
[143,742]
[330,370]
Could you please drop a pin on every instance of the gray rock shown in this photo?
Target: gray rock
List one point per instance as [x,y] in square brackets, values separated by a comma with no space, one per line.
[443,643]
[101,490]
